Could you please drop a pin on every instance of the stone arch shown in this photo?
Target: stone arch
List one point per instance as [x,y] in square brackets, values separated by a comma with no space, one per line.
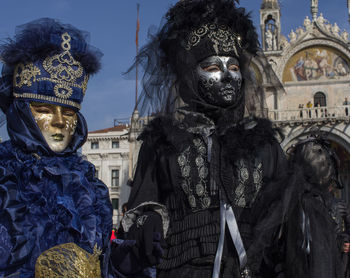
[334,134]
[340,143]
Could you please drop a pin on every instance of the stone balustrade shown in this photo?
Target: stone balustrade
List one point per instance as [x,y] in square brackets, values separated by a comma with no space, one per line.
[311,114]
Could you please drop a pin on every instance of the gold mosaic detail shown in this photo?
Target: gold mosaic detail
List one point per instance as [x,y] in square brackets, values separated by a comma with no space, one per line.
[64,70]
[25,74]
[68,261]
[222,37]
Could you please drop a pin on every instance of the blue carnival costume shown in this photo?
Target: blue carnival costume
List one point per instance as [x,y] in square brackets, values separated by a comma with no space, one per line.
[54,213]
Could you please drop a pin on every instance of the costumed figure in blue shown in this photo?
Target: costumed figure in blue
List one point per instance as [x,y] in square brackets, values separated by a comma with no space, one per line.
[55,216]
[210,172]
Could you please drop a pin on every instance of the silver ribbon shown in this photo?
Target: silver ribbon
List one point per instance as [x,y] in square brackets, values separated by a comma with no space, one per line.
[227,216]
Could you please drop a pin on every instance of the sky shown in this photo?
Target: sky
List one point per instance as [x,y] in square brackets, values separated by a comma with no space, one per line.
[112,26]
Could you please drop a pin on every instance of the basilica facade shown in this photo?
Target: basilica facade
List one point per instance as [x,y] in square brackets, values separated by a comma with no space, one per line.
[313,67]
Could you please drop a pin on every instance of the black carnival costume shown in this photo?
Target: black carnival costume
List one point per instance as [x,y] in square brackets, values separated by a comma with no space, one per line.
[55,216]
[317,224]
[211,177]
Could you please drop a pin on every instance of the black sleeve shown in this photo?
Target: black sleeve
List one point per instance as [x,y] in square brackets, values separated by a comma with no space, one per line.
[145,186]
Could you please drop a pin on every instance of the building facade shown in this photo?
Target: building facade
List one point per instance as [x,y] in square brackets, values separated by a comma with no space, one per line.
[313,66]
[108,150]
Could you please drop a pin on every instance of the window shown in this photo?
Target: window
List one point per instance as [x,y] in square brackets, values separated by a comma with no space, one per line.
[320,98]
[115,144]
[115,203]
[96,173]
[94,145]
[115,178]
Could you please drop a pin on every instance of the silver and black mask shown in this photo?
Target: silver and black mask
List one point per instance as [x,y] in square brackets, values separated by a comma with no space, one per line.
[220,81]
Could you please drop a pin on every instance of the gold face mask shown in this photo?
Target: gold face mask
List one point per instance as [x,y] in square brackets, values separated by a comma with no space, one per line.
[57,124]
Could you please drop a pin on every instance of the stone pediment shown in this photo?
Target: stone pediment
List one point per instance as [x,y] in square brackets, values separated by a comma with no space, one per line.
[319,29]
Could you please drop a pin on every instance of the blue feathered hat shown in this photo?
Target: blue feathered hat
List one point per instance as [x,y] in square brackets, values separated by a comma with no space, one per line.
[47,61]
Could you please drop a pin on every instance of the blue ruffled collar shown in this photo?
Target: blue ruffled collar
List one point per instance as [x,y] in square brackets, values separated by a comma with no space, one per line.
[49,200]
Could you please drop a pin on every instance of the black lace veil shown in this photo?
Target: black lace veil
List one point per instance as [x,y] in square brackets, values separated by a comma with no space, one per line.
[168,65]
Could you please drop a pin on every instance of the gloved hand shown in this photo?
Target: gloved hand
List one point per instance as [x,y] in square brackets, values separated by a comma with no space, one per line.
[143,246]
[122,257]
[148,233]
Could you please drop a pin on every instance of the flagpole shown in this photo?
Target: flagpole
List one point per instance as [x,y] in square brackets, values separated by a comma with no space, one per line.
[134,128]
[137,51]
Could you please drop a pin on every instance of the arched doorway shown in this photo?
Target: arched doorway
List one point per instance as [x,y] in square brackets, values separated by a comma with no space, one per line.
[320,99]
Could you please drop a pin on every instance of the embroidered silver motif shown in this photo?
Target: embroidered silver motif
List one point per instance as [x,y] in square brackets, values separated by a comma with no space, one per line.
[244,174]
[185,187]
[257,177]
[186,171]
[222,37]
[206,202]
[199,161]
[200,189]
[248,183]
[181,160]
[192,201]
[196,193]
[203,172]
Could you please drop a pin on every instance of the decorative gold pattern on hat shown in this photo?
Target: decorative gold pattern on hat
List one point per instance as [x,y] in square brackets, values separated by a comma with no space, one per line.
[68,261]
[222,37]
[63,69]
[25,74]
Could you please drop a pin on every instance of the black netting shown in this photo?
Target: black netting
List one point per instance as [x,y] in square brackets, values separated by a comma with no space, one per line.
[168,68]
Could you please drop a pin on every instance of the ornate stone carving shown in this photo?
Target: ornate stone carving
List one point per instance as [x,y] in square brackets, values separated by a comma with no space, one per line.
[335,29]
[345,36]
[307,22]
[292,36]
[320,19]
[284,42]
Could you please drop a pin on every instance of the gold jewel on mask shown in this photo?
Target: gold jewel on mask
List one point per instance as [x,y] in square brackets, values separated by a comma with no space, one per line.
[222,37]
[68,260]
[64,70]
[25,74]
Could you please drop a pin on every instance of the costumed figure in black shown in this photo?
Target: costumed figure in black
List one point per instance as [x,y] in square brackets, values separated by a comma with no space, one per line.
[340,212]
[318,225]
[207,179]
[55,216]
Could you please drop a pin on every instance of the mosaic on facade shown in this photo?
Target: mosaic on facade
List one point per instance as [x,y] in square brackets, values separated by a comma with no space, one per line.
[317,63]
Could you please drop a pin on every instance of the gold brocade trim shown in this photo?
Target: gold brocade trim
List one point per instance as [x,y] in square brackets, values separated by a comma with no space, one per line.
[222,37]
[48,98]
[68,261]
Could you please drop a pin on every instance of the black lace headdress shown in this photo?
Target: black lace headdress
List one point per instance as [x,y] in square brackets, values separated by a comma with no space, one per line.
[297,155]
[191,31]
